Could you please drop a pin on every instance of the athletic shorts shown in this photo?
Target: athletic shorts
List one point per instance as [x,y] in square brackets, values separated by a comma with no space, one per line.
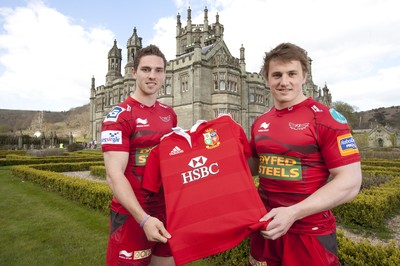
[128,245]
[294,250]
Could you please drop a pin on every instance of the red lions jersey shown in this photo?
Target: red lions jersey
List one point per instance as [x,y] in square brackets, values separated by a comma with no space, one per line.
[296,147]
[135,128]
[211,201]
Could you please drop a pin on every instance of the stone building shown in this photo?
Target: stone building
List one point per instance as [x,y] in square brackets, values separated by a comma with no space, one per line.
[203,81]
[378,137]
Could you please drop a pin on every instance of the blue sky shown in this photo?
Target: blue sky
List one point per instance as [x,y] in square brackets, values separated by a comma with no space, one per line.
[50,49]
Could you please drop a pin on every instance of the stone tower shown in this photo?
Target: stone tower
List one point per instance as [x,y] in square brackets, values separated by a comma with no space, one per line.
[114,63]
[133,45]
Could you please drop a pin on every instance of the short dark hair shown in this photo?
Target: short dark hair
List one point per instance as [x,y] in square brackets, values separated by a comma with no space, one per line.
[148,50]
[285,52]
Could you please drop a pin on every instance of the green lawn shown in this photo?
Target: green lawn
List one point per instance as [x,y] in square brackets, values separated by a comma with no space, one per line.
[41,228]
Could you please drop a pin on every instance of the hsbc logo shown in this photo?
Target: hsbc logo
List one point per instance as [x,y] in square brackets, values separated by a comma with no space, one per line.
[200,170]
[197,162]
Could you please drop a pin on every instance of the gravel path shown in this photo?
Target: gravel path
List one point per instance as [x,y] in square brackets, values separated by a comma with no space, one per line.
[84,174]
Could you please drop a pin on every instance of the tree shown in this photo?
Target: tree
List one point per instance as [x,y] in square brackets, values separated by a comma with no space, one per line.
[348,111]
[380,118]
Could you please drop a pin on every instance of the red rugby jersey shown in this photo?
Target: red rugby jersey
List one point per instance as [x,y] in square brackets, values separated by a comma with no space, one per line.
[297,146]
[211,200]
[135,128]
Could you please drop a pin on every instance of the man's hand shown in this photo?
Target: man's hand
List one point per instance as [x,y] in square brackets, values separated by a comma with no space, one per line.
[281,218]
[155,230]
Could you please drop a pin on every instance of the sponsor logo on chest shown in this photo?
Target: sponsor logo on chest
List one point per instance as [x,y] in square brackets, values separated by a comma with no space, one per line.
[141,156]
[142,122]
[279,167]
[200,169]
[264,127]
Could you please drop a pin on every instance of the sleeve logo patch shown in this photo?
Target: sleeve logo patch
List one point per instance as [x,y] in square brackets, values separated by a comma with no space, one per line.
[338,116]
[111,137]
[114,113]
[347,145]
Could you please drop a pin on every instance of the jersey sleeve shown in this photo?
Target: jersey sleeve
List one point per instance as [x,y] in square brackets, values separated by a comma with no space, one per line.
[116,130]
[152,175]
[337,144]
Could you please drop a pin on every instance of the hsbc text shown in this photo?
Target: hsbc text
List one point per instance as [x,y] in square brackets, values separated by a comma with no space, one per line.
[200,172]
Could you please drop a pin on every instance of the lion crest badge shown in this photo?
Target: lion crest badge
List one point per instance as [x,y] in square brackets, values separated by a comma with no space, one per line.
[211,138]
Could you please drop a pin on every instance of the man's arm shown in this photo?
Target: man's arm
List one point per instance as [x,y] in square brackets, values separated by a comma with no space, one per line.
[344,186]
[115,163]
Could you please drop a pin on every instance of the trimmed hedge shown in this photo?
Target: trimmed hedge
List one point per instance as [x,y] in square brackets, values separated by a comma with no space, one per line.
[371,206]
[96,195]
[365,254]
[41,160]
[381,163]
[99,171]
[67,167]
[4,153]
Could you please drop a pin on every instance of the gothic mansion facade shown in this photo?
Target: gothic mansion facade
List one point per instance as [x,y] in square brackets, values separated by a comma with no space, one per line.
[203,81]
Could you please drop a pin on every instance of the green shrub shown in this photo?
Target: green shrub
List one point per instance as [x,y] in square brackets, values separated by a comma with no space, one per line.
[371,206]
[381,154]
[95,195]
[364,253]
[98,171]
[4,153]
[66,167]
[238,255]
[370,180]
[74,147]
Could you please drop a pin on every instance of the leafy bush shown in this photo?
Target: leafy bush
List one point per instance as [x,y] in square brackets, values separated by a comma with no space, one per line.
[74,147]
[4,153]
[95,195]
[383,153]
[372,179]
[98,171]
[364,253]
[238,255]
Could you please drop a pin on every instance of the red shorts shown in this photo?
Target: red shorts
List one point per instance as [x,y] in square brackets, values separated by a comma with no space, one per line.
[294,249]
[128,245]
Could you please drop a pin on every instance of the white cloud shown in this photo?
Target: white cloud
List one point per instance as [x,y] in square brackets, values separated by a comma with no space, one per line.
[164,29]
[48,60]
[381,90]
